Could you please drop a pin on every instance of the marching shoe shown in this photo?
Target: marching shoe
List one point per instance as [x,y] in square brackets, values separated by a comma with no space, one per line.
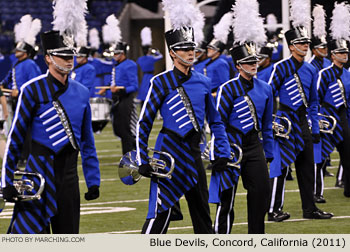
[328,174]
[317,214]
[278,216]
[319,199]
[339,183]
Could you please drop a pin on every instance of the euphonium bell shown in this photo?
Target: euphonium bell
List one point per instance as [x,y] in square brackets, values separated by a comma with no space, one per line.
[281,130]
[25,186]
[129,170]
[206,156]
[328,124]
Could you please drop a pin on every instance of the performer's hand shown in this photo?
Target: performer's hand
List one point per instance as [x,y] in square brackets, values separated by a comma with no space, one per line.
[10,193]
[101,91]
[116,88]
[269,159]
[14,93]
[220,164]
[93,193]
[145,170]
[316,138]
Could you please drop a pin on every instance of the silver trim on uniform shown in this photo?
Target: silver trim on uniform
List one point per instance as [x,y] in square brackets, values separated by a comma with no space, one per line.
[186,102]
[301,90]
[342,91]
[252,111]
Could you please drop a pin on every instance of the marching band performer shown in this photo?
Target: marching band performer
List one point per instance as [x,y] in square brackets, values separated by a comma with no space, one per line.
[334,92]
[58,112]
[245,104]
[147,61]
[184,99]
[124,85]
[319,60]
[265,65]
[294,81]
[217,69]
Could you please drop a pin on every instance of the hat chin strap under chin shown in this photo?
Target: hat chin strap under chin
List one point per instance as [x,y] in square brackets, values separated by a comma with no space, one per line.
[64,69]
[322,54]
[246,71]
[300,51]
[343,61]
[183,60]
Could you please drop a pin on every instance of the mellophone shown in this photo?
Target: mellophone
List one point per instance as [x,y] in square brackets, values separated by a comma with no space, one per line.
[25,187]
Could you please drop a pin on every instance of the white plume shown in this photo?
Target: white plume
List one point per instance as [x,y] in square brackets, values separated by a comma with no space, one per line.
[319,15]
[16,31]
[146,36]
[94,39]
[223,27]
[340,21]
[111,32]
[198,25]
[180,12]
[300,13]
[248,25]
[81,36]
[69,16]
[32,32]
[271,22]
[24,26]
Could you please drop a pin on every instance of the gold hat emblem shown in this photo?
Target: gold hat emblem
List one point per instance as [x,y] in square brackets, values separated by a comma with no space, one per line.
[250,49]
[187,33]
[303,32]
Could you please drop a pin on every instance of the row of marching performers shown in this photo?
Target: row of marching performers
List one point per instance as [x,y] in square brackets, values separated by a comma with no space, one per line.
[239,112]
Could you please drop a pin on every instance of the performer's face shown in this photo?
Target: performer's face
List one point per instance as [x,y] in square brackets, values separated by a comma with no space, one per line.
[248,69]
[81,60]
[20,55]
[185,54]
[212,52]
[63,63]
[300,49]
[340,57]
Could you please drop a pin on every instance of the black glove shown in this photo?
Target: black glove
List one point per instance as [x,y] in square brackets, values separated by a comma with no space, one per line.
[145,170]
[93,193]
[220,164]
[316,138]
[10,193]
[269,159]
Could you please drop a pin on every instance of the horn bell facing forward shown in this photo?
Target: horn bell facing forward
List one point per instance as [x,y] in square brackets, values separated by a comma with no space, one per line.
[327,123]
[283,127]
[129,170]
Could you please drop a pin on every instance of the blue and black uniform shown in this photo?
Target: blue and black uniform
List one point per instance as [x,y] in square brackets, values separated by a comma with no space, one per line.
[123,110]
[264,73]
[84,74]
[60,120]
[246,109]
[146,64]
[184,102]
[295,83]
[334,95]
[218,71]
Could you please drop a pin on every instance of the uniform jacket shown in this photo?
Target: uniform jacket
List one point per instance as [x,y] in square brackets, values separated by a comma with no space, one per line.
[264,73]
[166,93]
[238,120]
[84,74]
[103,70]
[218,72]
[284,84]
[36,109]
[125,74]
[318,63]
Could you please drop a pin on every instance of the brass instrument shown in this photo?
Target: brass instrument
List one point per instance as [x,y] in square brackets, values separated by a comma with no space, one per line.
[206,155]
[280,130]
[129,170]
[25,186]
[328,125]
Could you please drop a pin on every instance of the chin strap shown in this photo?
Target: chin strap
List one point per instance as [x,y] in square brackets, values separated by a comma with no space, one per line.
[343,61]
[246,71]
[185,61]
[261,62]
[200,55]
[64,69]
[322,54]
[300,51]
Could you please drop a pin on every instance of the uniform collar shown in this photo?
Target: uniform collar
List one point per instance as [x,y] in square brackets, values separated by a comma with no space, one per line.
[297,63]
[180,76]
[247,84]
[57,82]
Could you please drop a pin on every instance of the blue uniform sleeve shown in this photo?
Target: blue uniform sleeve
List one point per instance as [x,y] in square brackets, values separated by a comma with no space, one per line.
[313,103]
[321,86]
[131,72]
[89,77]
[7,81]
[267,126]
[276,79]
[89,159]
[22,119]
[33,70]
[153,101]
[221,143]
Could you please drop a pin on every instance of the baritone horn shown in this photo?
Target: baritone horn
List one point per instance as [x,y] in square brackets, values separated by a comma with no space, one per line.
[24,187]
[328,124]
[281,130]
[129,170]
[206,156]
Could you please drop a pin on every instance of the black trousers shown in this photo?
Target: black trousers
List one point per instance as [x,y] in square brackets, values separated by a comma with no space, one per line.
[197,200]
[319,180]
[277,186]
[255,180]
[122,115]
[225,214]
[67,219]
